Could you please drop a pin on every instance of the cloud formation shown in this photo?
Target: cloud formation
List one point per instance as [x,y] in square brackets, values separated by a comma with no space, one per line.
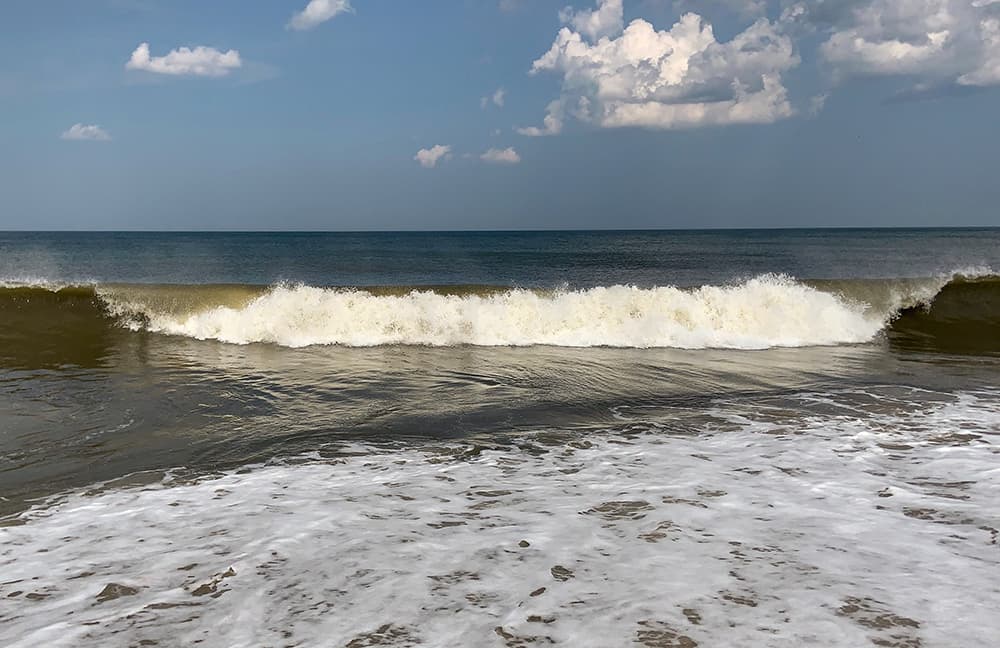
[428,158]
[92,132]
[183,61]
[933,41]
[501,156]
[318,12]
[617,76]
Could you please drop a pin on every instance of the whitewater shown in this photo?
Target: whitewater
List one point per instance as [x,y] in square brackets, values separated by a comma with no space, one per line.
[775,524]
[763,312]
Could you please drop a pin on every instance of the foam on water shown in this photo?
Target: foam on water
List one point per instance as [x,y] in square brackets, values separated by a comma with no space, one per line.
[820,519]
[764,312]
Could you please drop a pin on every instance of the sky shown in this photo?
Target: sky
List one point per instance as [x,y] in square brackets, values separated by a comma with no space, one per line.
[498,114]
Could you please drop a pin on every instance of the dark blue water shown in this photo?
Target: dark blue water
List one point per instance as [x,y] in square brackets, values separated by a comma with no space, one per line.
[530,259]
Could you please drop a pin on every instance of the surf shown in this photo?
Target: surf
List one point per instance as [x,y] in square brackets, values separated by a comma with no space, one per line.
[760,313]
[960,310]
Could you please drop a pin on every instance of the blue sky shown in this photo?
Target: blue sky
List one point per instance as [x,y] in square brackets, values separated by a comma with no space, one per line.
[495,114]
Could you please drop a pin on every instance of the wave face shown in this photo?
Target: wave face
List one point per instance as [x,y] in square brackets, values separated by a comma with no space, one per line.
[764,312]
[963,317]
[50,327]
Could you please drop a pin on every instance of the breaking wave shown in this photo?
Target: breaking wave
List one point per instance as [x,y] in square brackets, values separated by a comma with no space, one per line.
[763,312]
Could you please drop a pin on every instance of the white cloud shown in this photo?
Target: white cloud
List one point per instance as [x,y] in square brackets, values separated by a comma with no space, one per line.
[551,125]
[501,156]
[184,61]
[677,78]
[934,41]
[318,12]
[987,71]
[428,158]
[81,132]
[891,37]
[762,106]
[606,20]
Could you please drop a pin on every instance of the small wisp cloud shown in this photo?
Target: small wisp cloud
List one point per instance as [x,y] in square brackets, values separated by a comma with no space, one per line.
[497,99]
[318,12]
[501,156]
[184,61]
[81,132]
[429,158]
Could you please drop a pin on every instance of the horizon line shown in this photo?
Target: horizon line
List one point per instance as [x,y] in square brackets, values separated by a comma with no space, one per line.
[500,230]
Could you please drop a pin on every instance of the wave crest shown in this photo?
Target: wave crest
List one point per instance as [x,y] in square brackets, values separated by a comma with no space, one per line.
[763,312]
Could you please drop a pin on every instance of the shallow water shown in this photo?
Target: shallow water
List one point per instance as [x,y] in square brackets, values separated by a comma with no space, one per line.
[806,519]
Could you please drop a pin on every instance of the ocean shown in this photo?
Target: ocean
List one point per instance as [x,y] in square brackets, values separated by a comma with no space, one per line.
[650,438]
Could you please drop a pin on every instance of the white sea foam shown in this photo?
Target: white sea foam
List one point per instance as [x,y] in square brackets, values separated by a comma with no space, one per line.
[764,312]
[31,281]
[786,522]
